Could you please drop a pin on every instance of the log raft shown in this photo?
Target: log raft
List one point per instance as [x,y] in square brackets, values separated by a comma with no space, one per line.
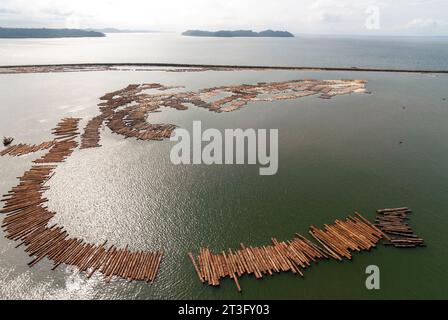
[336,241]
[21,149]
[127,111]
[27,218]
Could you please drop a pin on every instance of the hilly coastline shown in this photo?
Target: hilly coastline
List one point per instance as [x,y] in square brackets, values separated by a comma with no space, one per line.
[238,33]
[23,33]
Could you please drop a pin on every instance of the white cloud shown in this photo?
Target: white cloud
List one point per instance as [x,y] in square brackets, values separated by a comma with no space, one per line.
[299,16]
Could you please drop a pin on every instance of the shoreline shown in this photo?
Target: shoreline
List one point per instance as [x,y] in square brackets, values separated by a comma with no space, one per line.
[219,66]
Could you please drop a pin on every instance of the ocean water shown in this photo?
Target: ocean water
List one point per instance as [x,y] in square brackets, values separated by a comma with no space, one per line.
[303,50]
[335,156]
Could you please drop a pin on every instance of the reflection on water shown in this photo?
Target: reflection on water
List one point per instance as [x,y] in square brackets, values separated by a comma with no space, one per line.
[334,155]
[304,50]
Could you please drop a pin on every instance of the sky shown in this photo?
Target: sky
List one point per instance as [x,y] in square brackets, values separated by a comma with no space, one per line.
[364,17]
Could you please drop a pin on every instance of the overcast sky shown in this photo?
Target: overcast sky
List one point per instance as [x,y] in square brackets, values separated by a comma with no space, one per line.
[399,17]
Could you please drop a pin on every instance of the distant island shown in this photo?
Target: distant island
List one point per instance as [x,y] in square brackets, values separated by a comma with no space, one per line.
[21,33]
[238,33]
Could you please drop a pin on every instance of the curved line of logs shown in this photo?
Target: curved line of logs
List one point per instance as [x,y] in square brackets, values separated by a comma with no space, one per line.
[126,111]
[27,220]
[337,241]
[21,149]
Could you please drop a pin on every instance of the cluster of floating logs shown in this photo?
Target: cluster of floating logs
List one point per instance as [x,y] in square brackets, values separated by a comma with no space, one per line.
[393,223]
[59,152]
[122,123]
[23,149]
[67,128]
[24,208]
[335,241]
[126,111]
[27,219]
[65,131]
[65,134]
[91,136]
[343,237]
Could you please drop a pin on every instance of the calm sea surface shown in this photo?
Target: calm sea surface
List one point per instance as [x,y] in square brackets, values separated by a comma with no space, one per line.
[303,50]
[335,156]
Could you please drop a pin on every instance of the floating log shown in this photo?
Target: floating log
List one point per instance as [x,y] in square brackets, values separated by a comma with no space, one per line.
[393,210]
[195,266]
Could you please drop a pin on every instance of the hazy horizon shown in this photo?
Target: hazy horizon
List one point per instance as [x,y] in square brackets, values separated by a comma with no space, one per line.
[229,29]
[320,17]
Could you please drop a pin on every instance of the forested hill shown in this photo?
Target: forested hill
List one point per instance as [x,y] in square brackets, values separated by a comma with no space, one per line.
[47,33]
[238,33]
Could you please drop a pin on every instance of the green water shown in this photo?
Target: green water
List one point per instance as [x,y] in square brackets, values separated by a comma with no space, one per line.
[335,156]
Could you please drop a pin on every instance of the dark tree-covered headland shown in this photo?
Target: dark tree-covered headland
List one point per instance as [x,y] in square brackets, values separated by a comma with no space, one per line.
[19,33]
[238,33]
